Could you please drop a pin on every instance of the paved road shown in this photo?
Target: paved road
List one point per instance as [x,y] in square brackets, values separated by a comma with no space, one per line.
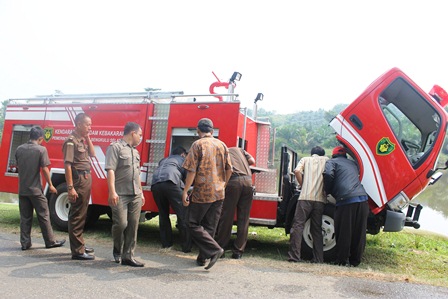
[50,273]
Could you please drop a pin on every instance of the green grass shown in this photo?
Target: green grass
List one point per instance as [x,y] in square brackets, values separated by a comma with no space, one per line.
[418,257]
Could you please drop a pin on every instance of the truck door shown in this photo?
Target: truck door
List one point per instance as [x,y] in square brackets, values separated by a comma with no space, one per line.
[391,129]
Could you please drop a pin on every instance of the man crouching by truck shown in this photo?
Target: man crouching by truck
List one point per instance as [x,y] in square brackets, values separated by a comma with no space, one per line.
[76,150]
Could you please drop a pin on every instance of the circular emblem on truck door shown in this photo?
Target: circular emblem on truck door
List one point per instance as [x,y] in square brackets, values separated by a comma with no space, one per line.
[384,147]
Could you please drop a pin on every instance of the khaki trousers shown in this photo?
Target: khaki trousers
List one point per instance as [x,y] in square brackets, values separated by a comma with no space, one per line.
[125,219]
[78,213]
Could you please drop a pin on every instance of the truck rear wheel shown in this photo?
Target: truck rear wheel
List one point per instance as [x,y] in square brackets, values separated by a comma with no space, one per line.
[59,208]
[329,236]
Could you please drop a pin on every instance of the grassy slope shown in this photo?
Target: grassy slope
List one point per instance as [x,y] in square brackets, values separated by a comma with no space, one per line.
[411,255]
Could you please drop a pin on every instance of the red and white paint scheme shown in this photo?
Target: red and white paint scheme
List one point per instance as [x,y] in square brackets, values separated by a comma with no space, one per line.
[394,130]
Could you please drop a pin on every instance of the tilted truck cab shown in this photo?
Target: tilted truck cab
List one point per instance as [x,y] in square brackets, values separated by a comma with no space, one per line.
[395,131]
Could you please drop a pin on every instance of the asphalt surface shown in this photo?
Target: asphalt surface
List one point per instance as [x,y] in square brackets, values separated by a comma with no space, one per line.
[50,273]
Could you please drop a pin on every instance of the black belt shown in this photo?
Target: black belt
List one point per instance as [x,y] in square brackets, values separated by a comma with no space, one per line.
[83,172]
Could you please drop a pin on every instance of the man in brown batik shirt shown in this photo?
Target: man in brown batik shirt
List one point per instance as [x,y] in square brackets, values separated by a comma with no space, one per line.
[209,168]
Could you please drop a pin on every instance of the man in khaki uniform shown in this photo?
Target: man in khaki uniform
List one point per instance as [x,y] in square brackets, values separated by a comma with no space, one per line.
[125,193]
[239,195]
[76,150]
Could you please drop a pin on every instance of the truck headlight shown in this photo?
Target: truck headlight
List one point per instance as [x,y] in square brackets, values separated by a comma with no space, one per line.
[399,202]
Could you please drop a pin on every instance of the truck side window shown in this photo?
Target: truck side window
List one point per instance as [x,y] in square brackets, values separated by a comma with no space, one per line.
[20,135]
[413,121]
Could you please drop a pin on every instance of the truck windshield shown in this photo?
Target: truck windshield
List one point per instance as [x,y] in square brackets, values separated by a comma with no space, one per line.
[413,120]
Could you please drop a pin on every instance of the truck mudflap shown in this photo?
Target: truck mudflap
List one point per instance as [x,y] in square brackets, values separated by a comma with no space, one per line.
[395,221]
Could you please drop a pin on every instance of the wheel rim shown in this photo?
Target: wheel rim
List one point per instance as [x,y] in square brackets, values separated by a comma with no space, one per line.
[62,206]
[329,237]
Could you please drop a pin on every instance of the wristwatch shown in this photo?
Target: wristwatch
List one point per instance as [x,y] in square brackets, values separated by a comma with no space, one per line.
[70,187]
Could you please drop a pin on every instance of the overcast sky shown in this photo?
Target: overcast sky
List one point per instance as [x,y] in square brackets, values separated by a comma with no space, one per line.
[302,55]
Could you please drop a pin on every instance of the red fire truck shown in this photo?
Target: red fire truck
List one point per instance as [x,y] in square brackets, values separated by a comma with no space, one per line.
[394,130]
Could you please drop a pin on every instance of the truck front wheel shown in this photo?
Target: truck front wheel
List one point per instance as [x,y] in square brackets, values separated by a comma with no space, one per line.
[329,236]
[59,208]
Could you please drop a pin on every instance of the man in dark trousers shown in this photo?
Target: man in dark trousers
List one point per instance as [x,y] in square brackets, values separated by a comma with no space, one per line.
[31,157]
[310,205]
[239,195]
[125,193]
[76,150]
[167,187]
[209,168]
[341,180]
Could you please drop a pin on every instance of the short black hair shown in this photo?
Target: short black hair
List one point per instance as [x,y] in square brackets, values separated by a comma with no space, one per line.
[131,126]
[317,150]
[178,151]
[80,117]
[36,132]
[205,125]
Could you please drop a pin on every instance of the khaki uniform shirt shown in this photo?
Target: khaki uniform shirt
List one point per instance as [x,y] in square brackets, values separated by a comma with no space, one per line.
[30,158]
[76,152]
[124,160]
[312,169]
[240,164]
[209,159]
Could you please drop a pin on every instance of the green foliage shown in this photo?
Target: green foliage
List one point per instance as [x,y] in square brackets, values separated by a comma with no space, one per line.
[420,257]
[303,130]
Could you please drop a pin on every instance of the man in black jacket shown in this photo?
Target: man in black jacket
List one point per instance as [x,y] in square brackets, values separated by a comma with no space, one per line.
[167,187]
[341,180]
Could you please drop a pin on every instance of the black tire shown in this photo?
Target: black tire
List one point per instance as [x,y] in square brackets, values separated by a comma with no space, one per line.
[59,208]
[328,232]
[93,214]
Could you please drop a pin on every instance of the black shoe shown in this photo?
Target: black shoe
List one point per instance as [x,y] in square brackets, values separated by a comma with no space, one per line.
[132,263]
[26,247]
[214,258]
[83,257]
[237,256]
[56,244]
[89,250]
[291,260]
[200,262]
[186,250]
[117,258]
